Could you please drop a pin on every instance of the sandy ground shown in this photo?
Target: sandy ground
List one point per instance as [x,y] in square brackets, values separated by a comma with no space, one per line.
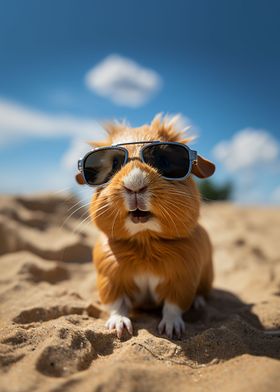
[52,334]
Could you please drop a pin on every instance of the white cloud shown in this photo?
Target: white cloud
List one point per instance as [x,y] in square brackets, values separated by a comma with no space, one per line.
[123,81]
[18,122]
[247,149]
[252,159]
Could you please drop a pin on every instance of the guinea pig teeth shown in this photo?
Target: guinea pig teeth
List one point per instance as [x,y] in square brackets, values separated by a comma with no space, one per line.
[139,216]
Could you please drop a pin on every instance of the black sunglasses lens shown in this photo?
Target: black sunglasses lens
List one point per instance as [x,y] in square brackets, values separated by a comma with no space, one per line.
[101,165]
[171,160]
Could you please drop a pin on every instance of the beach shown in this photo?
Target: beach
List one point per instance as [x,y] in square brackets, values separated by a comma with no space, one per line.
[52,326]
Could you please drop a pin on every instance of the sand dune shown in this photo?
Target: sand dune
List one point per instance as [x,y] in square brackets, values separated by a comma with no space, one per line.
[52,334]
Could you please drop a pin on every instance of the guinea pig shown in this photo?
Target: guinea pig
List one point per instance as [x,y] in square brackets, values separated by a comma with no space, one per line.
[151,250]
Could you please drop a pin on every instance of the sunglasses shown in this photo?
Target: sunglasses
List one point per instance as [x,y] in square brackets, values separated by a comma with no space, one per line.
[172,160]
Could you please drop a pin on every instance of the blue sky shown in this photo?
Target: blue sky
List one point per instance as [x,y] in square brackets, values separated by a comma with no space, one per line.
[216,62]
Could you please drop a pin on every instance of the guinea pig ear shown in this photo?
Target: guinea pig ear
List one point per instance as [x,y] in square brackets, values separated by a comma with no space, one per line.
[203,168]
[80,179]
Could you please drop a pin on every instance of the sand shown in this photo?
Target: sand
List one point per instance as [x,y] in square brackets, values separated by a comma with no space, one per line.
[52,333]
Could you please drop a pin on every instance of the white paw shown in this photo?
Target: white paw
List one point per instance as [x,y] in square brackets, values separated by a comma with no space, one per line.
[120,323]
[172,326]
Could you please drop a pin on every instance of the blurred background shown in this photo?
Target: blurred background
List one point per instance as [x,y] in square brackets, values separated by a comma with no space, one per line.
[68,65]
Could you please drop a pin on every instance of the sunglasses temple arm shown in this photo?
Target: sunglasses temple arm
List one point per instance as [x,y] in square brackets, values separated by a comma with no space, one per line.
[80,164]
[193,156]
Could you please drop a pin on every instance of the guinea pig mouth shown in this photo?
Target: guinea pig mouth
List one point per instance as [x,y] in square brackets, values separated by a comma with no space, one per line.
[139,216]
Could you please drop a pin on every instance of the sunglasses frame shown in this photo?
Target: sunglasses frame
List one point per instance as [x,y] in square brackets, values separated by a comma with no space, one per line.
[118,146]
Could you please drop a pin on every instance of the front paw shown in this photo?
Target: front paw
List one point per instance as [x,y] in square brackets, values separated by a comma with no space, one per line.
[120,323]
[172,327]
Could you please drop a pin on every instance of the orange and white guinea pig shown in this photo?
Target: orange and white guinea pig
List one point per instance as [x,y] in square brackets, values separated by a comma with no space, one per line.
[162,256]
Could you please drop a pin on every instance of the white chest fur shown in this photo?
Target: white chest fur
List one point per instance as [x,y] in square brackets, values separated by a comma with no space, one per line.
[147,284]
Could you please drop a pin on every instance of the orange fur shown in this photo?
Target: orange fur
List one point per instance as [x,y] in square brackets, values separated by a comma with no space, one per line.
[180,254]
[184,265]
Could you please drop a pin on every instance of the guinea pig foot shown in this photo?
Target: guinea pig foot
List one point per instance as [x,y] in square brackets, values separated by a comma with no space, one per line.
[172,327]
[120,323]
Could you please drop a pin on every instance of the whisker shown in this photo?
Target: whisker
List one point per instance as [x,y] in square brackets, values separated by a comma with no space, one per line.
[102,207]
[88,218]
[85,213]
[185,196]
[177,193]
[112,231]
[171,221]
[77,209]
[102,213]
[166,217]
[180,219]
[78,202]
[62,190]
[175,209]
[176,205]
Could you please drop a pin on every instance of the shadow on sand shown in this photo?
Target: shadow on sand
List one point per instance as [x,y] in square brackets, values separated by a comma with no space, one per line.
[225,329]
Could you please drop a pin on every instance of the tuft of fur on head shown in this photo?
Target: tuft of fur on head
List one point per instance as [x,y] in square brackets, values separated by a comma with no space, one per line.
[172,128]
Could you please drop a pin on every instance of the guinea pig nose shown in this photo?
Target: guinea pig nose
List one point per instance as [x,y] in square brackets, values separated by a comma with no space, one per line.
[141,190]
[135,181]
